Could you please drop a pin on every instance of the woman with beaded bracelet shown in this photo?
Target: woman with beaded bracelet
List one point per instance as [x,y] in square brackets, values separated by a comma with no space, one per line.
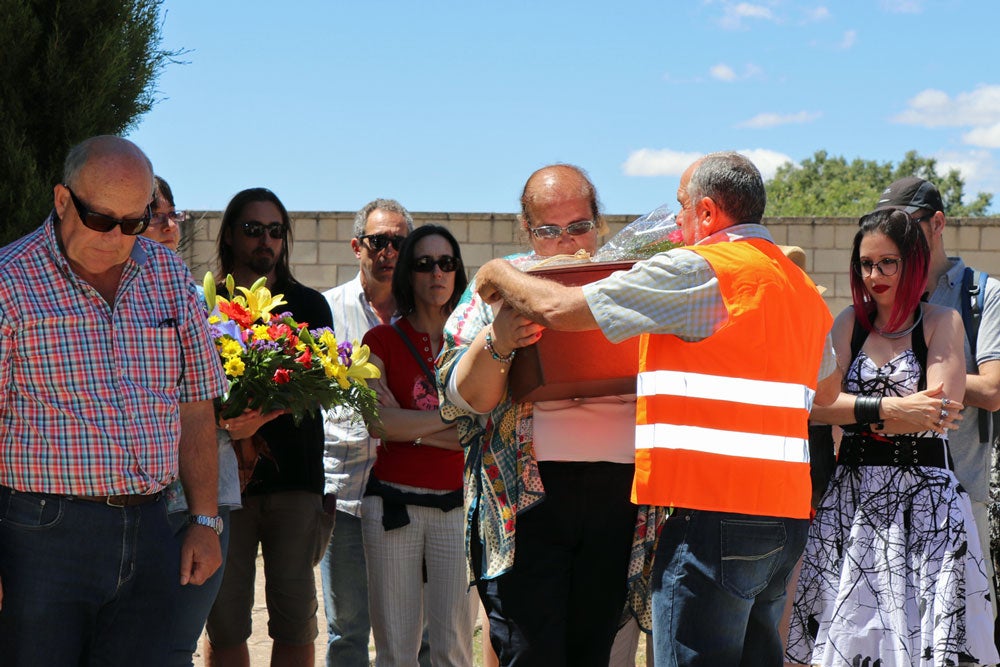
[892,571]
[550,521]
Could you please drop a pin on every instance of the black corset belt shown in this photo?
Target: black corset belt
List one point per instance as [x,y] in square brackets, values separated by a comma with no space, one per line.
[900,451]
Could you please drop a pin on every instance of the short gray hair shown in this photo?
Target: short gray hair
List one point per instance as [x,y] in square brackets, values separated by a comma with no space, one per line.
[733,182]
[390,205]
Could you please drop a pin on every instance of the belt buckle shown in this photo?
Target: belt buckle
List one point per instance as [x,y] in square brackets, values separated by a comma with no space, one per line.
[117,501]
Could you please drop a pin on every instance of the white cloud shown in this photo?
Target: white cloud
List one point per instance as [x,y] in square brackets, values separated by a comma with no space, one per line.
[978,168]
[818,14]
[666,162]
[722,72]
[984,137]
[734,14]
[653,162]
[935,108]
[767,161]
[764,120]
[902,6]
[747,10]
[849,39]
[971,164]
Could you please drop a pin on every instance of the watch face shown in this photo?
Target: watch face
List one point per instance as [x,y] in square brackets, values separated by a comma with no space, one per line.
[213,522]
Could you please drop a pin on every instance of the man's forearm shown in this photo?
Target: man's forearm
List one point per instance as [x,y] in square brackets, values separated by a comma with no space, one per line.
[199,458]
[547,302]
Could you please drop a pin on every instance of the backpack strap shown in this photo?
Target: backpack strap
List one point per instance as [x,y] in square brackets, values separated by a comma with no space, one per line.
[973,295]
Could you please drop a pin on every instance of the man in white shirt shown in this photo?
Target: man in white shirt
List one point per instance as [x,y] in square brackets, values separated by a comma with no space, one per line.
[358,305]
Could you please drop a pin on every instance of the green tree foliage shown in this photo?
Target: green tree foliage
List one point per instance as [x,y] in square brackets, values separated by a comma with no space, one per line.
[69,69]
[831,186]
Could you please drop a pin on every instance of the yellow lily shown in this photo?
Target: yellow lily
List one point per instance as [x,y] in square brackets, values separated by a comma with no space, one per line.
[259,300]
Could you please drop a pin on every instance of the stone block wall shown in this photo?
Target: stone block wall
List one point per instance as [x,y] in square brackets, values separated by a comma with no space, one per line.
[322,256]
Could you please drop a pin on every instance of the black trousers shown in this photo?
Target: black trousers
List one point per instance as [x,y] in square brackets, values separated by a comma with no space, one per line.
[561,602]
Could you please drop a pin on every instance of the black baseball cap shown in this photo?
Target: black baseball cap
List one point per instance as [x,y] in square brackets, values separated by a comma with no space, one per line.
[911,194]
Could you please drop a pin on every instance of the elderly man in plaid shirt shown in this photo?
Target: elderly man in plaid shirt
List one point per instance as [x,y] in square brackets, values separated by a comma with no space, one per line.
[107,376]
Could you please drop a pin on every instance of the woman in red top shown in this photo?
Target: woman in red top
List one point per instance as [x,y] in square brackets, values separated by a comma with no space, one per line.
[412,511]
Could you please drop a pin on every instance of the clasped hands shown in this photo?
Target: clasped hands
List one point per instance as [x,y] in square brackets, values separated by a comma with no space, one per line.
[928,410]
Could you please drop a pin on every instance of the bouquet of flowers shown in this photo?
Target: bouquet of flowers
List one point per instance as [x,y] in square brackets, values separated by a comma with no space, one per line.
[273,362]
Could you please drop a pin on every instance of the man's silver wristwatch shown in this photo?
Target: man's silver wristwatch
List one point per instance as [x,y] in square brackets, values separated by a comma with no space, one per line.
[213,522]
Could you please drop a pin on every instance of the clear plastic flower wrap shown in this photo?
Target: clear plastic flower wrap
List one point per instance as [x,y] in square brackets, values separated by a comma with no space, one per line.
[655,232]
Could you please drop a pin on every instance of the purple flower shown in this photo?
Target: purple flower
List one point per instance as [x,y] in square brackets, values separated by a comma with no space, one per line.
[344,351]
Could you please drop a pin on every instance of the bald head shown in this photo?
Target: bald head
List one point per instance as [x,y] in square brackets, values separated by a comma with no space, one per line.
[555,184]
[110,155]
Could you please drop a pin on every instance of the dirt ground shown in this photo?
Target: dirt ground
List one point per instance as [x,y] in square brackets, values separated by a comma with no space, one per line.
[260,643]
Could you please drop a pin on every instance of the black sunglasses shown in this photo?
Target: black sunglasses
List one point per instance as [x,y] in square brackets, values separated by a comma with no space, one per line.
[427,263]
[378,242]
[105,223]
[254,229]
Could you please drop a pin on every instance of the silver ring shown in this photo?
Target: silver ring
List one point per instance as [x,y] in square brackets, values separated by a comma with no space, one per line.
[945,402]
[944,414]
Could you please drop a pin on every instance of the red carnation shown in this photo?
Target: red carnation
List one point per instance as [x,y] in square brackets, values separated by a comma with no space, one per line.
[282,376]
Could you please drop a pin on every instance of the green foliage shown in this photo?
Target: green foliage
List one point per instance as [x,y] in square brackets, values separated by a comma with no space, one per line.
[831,186]
[69,69]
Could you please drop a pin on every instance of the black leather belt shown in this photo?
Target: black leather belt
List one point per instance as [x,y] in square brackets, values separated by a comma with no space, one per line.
[126,500]
[900,451]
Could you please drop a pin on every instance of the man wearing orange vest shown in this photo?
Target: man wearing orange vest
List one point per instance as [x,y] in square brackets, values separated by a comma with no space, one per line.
[735,351]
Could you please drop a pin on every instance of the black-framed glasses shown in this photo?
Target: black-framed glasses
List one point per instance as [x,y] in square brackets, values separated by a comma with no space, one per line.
[105,223]
[379,242]
[923,219]
[255,229]
[426,264]
[161,219]
[887,267]
[551,232]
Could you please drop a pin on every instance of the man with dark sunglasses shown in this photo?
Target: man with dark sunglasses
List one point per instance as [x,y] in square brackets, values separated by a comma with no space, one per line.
[283,512]
[107,377]
[358,305]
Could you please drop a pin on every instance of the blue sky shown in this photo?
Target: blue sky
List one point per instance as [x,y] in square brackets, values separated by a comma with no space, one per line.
[449,106]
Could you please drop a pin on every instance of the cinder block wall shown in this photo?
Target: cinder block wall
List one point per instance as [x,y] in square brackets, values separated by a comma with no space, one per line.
[322,256]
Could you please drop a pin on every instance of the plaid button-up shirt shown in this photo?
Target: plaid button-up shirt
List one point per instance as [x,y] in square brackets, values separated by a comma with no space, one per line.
[89,393]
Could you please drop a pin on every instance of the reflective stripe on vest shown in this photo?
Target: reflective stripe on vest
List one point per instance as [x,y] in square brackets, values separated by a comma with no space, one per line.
[720,440]
[722,423]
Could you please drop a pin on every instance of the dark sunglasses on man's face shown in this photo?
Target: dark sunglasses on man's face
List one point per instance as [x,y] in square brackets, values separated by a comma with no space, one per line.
[379,242]
[105,223]
[427,263]
[254,229]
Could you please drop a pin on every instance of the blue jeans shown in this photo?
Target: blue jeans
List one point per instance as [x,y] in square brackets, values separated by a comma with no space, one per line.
[84,583]
[345,594]
[718,585]
[193,603]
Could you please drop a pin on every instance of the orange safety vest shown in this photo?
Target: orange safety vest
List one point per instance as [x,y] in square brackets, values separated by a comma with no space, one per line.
[722,423]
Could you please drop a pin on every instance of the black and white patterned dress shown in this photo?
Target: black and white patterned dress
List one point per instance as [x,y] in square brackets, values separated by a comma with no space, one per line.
[893,573]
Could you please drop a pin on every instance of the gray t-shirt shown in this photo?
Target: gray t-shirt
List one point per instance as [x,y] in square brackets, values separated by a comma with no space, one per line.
[972,457]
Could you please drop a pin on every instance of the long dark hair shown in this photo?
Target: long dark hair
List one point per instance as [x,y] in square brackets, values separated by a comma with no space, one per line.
[402,285]
[282,270]
[899,227]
